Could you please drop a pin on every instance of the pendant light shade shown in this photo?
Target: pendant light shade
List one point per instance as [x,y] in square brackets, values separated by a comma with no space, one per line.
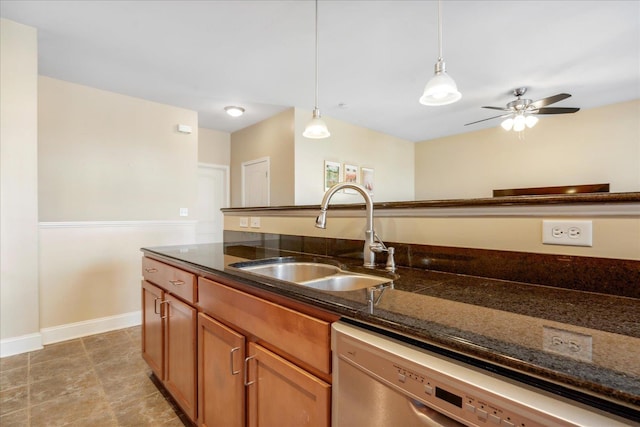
[317,128]
[441,89]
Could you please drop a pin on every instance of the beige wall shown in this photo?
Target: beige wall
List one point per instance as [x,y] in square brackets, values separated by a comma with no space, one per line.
[19,183]
[214,147]
[271,138]
[105,156]
[600,145]
[391,159]
[613,236]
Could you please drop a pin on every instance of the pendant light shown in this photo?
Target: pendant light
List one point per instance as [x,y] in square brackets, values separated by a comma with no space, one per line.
[316,128]
[441,89]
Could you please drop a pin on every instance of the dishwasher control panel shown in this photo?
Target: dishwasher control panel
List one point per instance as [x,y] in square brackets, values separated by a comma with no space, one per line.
[458,392]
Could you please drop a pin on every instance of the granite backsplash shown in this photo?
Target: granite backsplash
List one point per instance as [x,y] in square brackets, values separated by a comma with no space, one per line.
[618,277]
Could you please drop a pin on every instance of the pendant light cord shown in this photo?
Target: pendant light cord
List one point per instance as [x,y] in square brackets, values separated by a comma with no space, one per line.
[439,30]
[316,104]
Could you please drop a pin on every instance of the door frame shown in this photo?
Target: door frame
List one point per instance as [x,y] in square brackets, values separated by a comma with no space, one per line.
[250,162]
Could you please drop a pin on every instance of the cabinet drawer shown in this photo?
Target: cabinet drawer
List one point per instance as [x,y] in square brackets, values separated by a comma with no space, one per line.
[303,337]
[171,279]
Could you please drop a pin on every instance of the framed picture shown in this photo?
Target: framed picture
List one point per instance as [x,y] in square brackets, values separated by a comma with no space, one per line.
[331,174]
[351,175]
[366,179]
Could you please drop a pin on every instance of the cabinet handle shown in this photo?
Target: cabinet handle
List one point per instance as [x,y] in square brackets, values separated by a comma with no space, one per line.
[246,371]
[155,305]
[164,314]
[176,282]
[233,350]
[151,270]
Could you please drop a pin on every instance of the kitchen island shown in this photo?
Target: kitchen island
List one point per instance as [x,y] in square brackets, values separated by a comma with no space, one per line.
[488,323]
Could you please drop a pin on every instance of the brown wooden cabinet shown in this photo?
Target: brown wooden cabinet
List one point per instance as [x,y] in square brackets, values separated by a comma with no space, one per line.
[234,356]
[169,330]
[282,394]
[221,354]
[287,369]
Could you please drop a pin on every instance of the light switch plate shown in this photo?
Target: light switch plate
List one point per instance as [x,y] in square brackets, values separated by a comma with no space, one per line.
[244,222]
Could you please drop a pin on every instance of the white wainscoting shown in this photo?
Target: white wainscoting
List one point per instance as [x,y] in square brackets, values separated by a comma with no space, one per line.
[90,274]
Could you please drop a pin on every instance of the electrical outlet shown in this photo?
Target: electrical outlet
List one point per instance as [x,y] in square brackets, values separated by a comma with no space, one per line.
[255,222]
[567,232]
[567,343]
[184,211]
[244,222]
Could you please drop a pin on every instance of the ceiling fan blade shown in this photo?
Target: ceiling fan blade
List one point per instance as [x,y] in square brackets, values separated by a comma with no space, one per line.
[490,118]
[498,108]
[555,110]
[550,100]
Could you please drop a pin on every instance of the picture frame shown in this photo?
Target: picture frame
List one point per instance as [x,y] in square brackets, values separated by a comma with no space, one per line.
[332,174]
[351,174]
[367,179]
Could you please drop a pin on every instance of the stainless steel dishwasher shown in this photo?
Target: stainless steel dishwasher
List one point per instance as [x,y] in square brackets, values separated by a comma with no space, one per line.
[382,382]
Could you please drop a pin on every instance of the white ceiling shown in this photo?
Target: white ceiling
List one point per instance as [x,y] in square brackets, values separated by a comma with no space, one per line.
[375,56]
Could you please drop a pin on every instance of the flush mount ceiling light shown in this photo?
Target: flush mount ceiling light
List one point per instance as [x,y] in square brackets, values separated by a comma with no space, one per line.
[316,128]
[234,111]
[441,89]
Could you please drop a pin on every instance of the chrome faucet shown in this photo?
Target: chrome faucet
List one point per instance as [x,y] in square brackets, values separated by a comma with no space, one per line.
[372,243]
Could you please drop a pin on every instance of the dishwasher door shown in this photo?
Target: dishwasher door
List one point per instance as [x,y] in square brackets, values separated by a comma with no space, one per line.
[379,381]
[362,400]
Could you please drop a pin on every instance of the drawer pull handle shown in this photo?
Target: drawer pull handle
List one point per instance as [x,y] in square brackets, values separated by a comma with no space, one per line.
[164,313]
[155,305]
[151,270]
[233,350]
[176,282]
[246,371]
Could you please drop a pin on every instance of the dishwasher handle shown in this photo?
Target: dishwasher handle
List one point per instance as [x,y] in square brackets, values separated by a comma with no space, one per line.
[430,417]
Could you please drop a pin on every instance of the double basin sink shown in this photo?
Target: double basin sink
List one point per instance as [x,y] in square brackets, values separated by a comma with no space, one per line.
[324,277]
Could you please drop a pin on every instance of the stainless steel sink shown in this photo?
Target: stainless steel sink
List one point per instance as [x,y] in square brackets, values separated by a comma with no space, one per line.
[315,275]
[294,271]
[345,282]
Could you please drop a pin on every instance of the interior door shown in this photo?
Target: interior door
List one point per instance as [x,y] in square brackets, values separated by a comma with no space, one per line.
[255,183]
[213,195]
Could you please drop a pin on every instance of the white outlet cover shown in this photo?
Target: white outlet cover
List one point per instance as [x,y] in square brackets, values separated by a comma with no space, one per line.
[567,232]
[255,222]
[244,221]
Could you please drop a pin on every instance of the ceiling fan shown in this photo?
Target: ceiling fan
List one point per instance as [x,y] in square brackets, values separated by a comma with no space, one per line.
[522,112]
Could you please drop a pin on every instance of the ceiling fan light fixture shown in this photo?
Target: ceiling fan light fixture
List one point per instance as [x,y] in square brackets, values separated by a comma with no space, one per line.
[507,124]
[441,89]
[316,128]
[234,111]
[530,121]
[519,123]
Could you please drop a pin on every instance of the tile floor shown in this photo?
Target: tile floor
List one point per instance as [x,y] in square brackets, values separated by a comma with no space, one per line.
[99,380]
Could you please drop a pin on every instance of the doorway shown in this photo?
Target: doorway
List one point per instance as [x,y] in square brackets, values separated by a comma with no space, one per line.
[255,182]
[213,195]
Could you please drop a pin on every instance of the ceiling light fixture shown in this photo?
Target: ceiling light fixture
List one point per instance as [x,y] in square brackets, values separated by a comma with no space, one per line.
[234,111]
[518,121]
[316,128]
[441,89]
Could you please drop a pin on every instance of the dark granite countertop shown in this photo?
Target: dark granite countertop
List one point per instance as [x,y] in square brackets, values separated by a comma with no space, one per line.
[495,324]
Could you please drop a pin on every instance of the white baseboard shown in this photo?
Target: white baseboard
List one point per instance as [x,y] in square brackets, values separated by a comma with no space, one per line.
[90,327]
[21,344]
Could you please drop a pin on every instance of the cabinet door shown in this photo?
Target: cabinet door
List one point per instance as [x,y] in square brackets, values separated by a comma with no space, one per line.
[180,353]
[281,394]
[221,390]
[152,328]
